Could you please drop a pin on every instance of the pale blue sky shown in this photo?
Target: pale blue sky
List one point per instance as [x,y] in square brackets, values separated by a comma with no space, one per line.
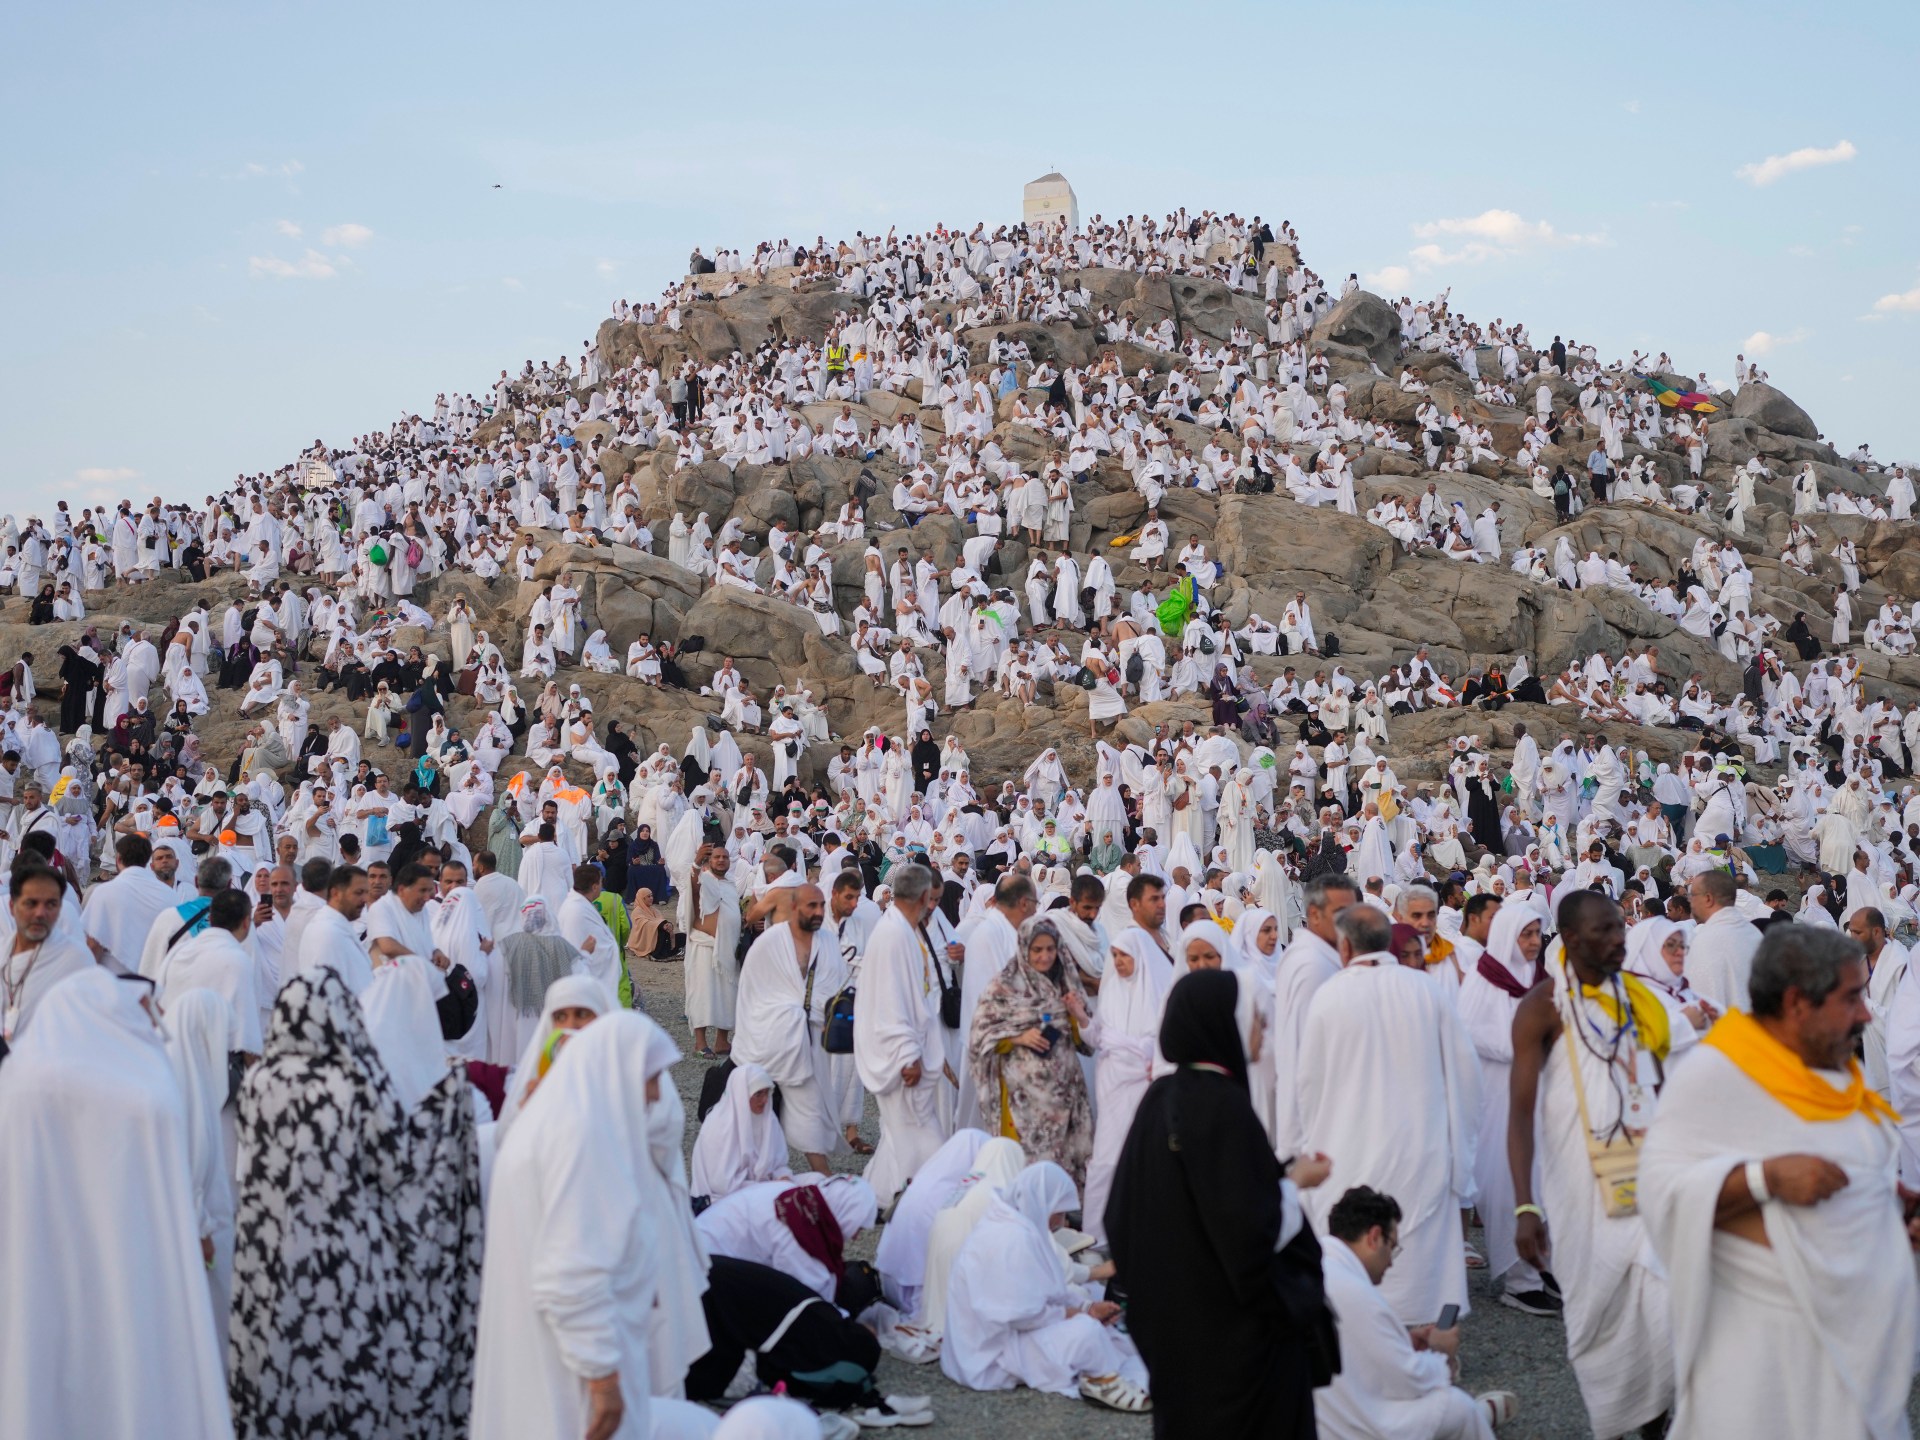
[230,229]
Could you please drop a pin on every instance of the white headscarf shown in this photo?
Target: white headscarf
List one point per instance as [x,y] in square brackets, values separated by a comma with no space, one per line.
[569,992]
[736,1147]
[405,1027]
[995,1167]
[1214,935]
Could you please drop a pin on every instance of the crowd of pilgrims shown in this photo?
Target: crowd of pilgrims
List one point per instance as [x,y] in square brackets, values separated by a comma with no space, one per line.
[317,1020]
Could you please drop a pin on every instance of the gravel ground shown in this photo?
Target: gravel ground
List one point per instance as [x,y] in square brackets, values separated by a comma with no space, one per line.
[1501,1349]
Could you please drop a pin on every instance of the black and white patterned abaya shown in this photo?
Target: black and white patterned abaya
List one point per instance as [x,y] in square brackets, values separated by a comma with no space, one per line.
[357,1253]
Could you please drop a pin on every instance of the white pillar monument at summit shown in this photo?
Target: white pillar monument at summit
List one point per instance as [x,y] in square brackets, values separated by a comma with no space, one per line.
[1050,201]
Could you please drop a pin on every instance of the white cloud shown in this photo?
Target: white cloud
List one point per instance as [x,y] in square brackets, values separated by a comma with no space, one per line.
[1632,107]
[511,283]
[255,170]
[1390,277]
[1908,300]
[95,484]
[605,267]
[1774,167]
[310,266]
[1763,342]
[347,235]
[1490,235]
[287,228]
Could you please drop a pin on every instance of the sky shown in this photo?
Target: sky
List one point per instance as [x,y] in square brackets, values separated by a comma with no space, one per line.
[228,230]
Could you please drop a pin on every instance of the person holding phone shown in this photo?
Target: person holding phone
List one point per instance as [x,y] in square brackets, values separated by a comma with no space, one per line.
[1393,1380]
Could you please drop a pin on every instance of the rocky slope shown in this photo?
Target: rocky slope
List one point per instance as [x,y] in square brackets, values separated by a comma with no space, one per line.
[1381,601]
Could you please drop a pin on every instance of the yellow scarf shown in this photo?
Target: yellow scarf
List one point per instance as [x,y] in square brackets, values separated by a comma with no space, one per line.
[1786,1077]
[1650,1022]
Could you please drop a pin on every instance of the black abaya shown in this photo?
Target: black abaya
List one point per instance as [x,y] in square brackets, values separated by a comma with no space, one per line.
[1229,1329]
[79,675]
[821,1355]
[1483,816]
[926,762]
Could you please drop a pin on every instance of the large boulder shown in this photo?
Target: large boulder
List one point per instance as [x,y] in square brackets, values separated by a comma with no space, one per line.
[1366,322]
[766,637]
[1772,410]
[1263,535]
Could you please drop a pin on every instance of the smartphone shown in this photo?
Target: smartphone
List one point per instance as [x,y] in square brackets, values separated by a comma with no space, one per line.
[1449,1317]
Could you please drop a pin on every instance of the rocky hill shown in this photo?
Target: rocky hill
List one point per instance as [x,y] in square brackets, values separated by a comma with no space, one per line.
[1381,601]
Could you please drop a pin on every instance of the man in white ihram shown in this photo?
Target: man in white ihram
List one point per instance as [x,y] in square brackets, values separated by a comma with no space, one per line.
[789,974]
[1768,1186]
[897,1043]
[1393,1380]
[1723,943]
[1388,1088]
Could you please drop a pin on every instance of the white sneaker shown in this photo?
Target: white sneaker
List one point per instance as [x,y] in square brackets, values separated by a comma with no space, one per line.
[884,1417]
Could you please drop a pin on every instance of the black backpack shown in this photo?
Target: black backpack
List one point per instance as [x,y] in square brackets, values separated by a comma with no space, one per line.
[459,1005]
[1136,668]
[1329,645]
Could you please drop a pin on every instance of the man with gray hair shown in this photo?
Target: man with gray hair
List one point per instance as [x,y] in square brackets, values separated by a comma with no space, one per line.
[1419,906]
[1387,1085]
[1722,947]
[1767,1183]
[175,923]
[1311,959]
[897,1045]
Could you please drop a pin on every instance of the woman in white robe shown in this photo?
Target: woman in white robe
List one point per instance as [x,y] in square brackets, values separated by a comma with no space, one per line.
[1256,943]
[740,1143]
[747,1225]
[597,655]
[1131,998]
[1013,1318]
[95,1134]
[579,1246]
[901,1257]
[999,1160]
[1489,998]
[460,631]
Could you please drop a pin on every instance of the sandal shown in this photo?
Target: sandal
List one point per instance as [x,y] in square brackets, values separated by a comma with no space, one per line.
[859,1146]
[1502,1405]
[1113,1393]
[915,1346]
[1475,1260]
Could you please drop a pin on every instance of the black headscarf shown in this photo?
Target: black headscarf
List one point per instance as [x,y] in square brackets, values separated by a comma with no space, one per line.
[926,760]
[1235,1332]
[1198,1026]
[1329,859]
[1804,640]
